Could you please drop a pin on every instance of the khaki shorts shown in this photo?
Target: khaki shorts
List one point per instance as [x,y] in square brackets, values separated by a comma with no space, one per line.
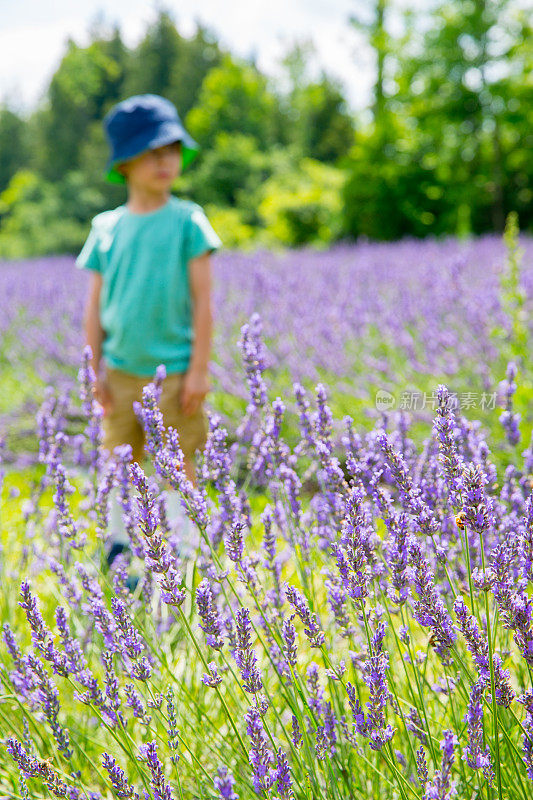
[121,425]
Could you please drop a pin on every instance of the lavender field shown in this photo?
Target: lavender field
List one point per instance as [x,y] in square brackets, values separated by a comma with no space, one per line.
[396,317]
[343,607]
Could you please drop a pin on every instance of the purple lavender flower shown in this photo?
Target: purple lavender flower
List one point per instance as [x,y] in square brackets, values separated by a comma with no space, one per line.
[212,678]
[316,693]
[260,756]
[429,610]
[111,687]
[310,620]
[160,787]
[283,776]
[130,639]
[441,788]
[321,743]
[398,557]
[451,462]
[118,779]
[102,499]
[306,426]
[92,410]
[253,357]
[351,553]
[40,633]
[478,646]
[475,755]
[151,419]
[289,638]
[475,511]
[527,701]
[211,623]
[135,702]
[421,768]
[330,722]
[234,541]
[414,724]
[374,671]
[508,418]
[296,734]
[31,767]
[409,494]
[146,502]
[337,599]
[47,696]
[173,733]
[245,656]
[224,783]
[526,543]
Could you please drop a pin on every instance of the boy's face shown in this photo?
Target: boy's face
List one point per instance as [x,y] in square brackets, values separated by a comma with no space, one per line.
[154,170]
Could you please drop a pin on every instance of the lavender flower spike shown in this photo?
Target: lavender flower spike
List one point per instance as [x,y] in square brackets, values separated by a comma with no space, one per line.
[160,787]
[475,756]
[245,656]
[441,788]
[224,783]
[449,458]
[310,620]
[118,778]
[260,756]
[212,625]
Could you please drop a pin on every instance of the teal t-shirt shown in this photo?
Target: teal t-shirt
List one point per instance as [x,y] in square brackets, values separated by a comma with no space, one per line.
[145,301]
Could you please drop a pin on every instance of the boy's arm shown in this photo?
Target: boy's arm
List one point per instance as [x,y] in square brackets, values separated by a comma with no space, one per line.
[94,336]
[196,383]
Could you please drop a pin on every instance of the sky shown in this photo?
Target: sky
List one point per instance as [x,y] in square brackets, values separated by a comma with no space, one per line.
[33,34]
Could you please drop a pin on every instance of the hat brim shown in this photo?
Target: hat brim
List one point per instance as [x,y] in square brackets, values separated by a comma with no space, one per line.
[167,134]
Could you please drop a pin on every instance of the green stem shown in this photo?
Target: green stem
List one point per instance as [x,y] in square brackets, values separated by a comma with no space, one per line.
[492,681]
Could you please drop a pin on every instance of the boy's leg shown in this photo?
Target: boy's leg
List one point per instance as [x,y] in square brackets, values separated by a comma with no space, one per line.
[120,426]
[192,431]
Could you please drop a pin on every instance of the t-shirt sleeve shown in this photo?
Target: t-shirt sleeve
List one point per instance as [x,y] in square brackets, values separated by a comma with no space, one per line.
[89,257]
[200,235]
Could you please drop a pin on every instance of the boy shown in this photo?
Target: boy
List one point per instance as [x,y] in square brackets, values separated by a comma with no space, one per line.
[149,301]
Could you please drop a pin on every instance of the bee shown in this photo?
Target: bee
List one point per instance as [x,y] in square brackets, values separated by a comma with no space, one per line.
[460,520]
[433,640]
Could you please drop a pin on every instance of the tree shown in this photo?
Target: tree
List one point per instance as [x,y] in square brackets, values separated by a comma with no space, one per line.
[197,56]
[314,112]
[88,80]
[465,85]
[14,147]
[371,20]
[155,58]
[235,98]
[230,172]
[303,205]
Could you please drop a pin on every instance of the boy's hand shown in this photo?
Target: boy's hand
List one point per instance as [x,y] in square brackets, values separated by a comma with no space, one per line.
[102,393]
[195,388]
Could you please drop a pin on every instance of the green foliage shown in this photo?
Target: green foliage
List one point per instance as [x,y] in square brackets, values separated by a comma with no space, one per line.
[88,80]
[37,215]
[303,205]
[234,98]
[230,225]
[228,173]
[14,148]
[391,191]
[315,115]
[444,147]
[512,340]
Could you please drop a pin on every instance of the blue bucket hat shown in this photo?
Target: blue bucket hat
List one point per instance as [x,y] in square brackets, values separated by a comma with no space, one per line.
[144,122]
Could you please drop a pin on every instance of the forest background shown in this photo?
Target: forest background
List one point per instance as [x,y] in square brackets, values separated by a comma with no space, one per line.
[445,147]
